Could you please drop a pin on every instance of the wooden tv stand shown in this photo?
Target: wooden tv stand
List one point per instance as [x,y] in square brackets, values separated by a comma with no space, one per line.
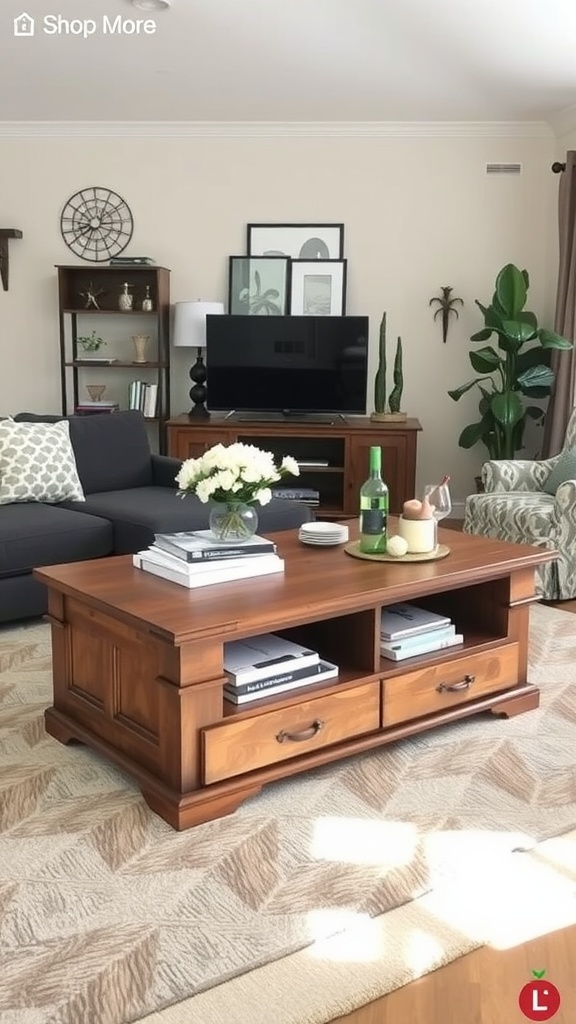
[342,444]
[138,675]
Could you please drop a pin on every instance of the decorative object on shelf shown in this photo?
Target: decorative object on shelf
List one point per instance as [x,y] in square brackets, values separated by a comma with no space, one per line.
[446,305]
[5,234]
[510,372]
[140,344]
[91,342]
[126,299]
[258,286]
[299,241]
[147,304]
[96,224]
[380,414]
[318,287]
[231,477]
[96,391]
[190,332]
[417,526]
[91,295]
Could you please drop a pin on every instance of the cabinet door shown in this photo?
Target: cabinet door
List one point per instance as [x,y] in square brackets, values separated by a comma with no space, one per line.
[191,442]
[396,471]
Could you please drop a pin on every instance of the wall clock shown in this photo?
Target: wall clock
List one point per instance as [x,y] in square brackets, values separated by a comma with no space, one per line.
[96,224]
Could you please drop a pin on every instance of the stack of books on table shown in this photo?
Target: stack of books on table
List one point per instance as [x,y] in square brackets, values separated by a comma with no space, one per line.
[265,665]
[407,631]
[198,560]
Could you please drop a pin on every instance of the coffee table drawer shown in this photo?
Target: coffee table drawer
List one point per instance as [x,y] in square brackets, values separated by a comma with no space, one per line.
[242,746]
[432,689]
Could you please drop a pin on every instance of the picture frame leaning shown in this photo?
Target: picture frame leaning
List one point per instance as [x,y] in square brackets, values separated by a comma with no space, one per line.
[318,288]
[298,241]
[259,285]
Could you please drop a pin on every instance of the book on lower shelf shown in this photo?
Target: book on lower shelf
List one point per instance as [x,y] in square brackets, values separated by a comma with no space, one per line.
[403,620]
[325,670]
[264,656]
[202,546]
[428,643]
[306,495]
[90,408]
[179,573]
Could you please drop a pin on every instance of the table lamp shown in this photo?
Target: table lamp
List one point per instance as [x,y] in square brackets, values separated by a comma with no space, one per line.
[190,332]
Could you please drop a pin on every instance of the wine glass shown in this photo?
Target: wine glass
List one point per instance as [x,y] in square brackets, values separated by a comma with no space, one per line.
[439,497]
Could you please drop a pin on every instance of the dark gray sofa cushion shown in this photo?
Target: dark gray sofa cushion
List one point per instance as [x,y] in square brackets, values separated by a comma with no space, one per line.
[35,534]
[139,513]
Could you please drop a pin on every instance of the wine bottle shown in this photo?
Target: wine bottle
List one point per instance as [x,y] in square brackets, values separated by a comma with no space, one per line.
[374,508]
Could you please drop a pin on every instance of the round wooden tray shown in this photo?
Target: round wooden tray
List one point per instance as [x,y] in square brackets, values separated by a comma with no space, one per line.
[431,556]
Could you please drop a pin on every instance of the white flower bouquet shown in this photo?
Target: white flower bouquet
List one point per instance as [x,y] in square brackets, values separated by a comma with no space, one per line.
[233,475]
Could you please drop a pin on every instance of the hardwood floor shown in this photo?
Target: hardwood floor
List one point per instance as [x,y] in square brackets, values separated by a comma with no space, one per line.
[482,987]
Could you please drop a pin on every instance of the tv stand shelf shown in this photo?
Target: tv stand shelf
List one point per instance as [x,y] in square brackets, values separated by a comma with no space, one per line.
[341,446]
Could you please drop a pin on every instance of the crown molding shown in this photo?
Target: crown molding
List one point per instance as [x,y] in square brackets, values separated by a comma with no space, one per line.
[563,122]
[272,129]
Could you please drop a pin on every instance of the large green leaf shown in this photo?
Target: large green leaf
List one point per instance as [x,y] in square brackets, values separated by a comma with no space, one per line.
[485,360]
[520,331]
[511,289]
[535,377]
[549,339]
[507,408]
[482,335]
[473,433]
[535,356]
[458,392]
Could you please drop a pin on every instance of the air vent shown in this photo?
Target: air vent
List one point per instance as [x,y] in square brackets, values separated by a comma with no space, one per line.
[503,168]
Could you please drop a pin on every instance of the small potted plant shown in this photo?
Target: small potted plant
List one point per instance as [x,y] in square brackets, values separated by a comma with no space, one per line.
[380,413]
[90,343]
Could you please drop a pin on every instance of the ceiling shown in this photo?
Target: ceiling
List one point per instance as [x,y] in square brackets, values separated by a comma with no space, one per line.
[295,61]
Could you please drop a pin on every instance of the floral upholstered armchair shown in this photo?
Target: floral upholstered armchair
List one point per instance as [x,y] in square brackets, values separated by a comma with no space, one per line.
[533,502]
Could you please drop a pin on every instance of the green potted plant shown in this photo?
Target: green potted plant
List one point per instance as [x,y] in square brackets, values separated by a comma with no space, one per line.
[90,342]
[518,369]
[395,398]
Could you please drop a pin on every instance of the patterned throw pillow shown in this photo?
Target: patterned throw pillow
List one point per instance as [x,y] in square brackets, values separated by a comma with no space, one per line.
[565,469]
[37,463]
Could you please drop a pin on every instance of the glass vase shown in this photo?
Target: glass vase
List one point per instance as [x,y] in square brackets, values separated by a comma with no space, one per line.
[233,522]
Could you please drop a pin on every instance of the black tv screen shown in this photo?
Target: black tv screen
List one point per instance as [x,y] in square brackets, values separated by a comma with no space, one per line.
[287,364]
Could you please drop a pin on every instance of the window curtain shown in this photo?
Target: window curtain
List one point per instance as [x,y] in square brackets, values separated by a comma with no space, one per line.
[563,363]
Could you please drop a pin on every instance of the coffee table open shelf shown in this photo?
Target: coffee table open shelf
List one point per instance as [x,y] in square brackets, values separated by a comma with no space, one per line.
[138,672]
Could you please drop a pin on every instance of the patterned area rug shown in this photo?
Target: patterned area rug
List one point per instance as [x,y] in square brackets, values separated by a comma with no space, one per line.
[107,914]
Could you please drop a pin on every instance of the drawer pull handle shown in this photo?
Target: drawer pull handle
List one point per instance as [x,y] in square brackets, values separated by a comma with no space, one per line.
[298,737]
[464,684]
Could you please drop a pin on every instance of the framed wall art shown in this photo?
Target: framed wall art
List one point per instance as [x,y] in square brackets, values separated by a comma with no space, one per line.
[259,285]
[299,241]
[318,288]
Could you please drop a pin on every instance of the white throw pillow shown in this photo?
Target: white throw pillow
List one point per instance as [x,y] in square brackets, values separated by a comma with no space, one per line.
[37,463]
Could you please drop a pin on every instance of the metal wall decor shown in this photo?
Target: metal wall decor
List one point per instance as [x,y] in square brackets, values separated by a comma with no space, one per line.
[446,305]
[96,224]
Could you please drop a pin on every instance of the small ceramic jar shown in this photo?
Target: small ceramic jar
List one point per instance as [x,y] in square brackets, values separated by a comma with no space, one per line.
[419,534]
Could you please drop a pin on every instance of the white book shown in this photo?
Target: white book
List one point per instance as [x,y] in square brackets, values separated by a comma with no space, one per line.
[158,554]
[259,657]
[206,579]
[427,646]
[400,620]
[150,400]
[329,672]
[409,642]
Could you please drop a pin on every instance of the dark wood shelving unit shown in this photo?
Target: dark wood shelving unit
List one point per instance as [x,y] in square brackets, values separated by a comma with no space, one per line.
[107,281]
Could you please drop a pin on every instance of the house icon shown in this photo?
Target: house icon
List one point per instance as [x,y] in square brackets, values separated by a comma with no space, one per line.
[24,25]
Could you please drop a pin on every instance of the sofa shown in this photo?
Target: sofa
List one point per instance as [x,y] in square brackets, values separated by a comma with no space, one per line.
[130,494]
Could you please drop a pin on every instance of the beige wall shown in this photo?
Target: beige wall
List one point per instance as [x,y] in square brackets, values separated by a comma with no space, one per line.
[419,213]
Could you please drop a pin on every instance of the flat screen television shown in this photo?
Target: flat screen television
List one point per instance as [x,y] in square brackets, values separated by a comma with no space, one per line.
[287,364]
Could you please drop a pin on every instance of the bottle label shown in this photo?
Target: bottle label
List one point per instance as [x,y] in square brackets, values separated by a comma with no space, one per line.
[373,521]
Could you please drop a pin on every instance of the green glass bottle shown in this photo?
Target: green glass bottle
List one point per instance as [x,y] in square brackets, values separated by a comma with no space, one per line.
[374,508]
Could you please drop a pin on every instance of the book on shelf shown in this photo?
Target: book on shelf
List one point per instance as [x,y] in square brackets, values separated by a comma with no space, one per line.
[95,359]
[174,574]
[313,463]
[401,620]
[261,657]
[127,261]
[409,642]
[149,401]
[89,408]
[325,670]
[296,493]
[429,644]
[201,545]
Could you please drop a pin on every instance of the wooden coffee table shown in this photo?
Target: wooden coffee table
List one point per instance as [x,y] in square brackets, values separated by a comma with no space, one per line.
[137,664]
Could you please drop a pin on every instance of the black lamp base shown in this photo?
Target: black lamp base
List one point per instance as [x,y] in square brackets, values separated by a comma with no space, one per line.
[198,391]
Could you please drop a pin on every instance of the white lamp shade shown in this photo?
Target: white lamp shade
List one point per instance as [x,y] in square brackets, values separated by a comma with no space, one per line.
[190,323]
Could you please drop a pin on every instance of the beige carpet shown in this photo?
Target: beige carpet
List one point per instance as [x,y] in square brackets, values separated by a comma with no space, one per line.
[107,915]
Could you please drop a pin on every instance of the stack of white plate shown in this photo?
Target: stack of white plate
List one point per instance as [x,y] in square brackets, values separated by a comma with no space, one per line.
[323,534]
